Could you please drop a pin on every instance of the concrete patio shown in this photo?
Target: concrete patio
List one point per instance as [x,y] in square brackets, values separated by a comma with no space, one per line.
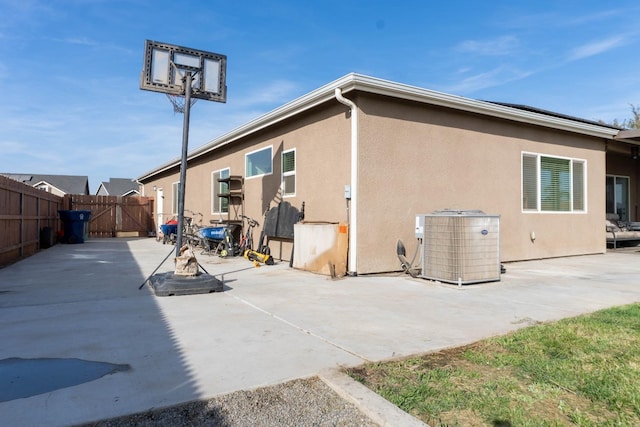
[271,324]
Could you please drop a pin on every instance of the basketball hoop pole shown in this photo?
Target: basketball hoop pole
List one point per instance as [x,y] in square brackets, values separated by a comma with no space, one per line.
[183,164]
[172,70]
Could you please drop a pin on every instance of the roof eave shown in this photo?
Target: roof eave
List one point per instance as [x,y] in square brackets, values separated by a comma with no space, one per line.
[42,181]
[290,109]
[102,186]
[413,93]
[631,136]
[378,86]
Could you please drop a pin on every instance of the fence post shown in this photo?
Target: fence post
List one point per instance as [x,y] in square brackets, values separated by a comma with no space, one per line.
[118,214]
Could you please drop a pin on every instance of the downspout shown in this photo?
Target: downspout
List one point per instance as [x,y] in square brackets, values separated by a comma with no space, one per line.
[352,267]
[140,187]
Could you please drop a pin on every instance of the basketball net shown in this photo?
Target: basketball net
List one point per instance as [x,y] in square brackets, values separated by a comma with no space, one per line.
[179,101]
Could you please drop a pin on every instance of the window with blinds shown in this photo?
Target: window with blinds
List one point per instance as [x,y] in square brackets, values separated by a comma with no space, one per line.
[529,182]
[552,184]
[289,173]
[578,186]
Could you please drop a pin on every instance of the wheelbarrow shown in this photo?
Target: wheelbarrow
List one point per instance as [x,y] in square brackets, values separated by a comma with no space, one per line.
[169,232]
[219,240]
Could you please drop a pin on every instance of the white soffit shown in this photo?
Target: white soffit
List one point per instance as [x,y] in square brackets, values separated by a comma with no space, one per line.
[360,82]
[413,93]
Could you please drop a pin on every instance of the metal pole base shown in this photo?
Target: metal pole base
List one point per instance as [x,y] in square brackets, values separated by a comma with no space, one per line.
[170,284]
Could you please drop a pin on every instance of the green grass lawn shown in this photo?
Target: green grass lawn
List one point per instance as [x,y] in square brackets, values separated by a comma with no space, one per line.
[582,371]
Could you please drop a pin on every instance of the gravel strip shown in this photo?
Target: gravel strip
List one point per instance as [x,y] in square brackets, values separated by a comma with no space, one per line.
[300,403]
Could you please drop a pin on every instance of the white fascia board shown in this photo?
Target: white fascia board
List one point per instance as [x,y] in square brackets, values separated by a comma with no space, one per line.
[378,86]
[413,93]
[102,186]
[290,109]
[49,184]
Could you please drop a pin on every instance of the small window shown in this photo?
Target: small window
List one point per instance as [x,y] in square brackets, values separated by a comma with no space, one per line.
[289,173]
[578,186]
[553,184]
[219,204]
[529,182]
[175,195]
[258,163]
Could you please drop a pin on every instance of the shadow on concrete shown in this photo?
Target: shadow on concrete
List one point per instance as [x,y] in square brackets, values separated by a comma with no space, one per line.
[81,302]
[21,378]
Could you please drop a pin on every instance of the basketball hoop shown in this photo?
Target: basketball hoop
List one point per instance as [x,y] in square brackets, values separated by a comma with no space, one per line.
[165,66]
[178,102]
[184,75]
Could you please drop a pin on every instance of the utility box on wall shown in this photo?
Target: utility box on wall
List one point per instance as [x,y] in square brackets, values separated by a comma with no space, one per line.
[460,246]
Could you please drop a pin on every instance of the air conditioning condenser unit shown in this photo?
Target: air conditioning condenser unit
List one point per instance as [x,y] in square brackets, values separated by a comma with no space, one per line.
[459,246]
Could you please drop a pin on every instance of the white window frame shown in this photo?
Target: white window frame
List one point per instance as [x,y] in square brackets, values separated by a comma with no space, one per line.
[246,161]
[214,193]
[288,174]
[175,189]
[538,208]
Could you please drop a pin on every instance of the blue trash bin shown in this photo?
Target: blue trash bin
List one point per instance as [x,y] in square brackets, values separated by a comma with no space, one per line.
[76,225]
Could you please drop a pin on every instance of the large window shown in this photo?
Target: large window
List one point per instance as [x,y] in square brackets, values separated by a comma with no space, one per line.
[175,194]
[553,184]
[258,163]
[219,204]
[289,173]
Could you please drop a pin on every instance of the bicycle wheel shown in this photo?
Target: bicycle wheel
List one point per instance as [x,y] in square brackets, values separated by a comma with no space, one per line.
[250,242]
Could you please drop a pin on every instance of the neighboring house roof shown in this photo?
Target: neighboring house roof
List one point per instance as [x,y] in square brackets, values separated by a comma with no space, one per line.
[118,187]
[68,184]
[358,82]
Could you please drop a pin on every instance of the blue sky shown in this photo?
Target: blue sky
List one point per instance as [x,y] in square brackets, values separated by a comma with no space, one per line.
[70,101]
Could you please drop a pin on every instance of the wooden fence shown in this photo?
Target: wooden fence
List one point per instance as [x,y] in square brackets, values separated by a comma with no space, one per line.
[28,219]
[114,216]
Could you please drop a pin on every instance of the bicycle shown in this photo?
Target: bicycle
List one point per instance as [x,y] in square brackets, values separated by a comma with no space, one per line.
[246,240]
[190,229]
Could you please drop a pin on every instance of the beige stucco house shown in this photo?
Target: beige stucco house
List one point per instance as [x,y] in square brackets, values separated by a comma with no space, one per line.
[400,150]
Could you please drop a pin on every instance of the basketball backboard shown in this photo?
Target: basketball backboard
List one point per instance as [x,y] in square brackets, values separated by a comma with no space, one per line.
[165,65]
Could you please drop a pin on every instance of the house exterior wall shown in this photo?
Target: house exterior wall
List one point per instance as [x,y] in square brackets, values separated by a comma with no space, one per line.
[51,189]
[415,159]
[321,140]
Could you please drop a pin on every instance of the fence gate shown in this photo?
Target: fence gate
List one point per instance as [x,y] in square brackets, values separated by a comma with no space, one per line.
[115,216]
